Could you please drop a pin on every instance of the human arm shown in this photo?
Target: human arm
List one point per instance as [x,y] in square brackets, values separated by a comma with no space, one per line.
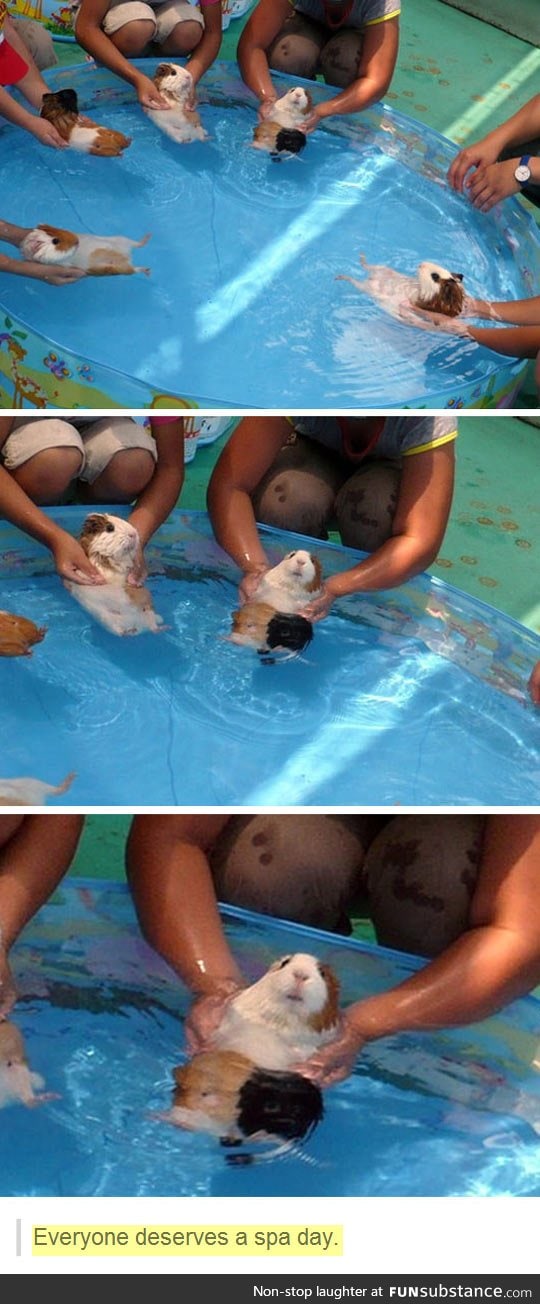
[208,48]
[89,33]
[19,116]
[33,859]
[161,494]
[15,506]
[492,182]
[12,234]
[260,31]
[246,457]
[495,961]
[375,71]
[522,126]
[420,520]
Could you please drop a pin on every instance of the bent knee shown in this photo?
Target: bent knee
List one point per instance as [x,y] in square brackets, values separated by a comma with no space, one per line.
[295,55]
[340,59]
[134,37]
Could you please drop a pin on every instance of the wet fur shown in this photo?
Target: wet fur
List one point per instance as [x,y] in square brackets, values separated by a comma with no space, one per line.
[175,85]
[97,255]
[292,584]
[18,635]
[31,792]
[121,607]
[259,626]
[61,108]
[282,133]
[17,1082]
[439,290]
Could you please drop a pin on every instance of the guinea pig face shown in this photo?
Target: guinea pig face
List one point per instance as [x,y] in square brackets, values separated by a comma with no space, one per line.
[109,536]
[49,244]
[297,99]
[303,981]
[430,276]
[305,568]
[176,81]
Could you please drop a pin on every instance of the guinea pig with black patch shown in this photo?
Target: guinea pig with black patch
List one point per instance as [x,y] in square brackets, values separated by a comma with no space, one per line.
[292,584]
[439,290]
[283,132]
[31,792]
[257,625]
[113,546]
[284,1017]
[18,635]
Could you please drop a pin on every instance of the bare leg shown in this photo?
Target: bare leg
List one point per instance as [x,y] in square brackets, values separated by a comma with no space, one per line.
[123,479]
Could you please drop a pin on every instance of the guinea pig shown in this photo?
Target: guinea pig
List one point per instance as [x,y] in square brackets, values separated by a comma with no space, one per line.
[31,792]
[285,1016]
[229,1097]
[18,635]
[61,108]
[259,626]
[290,585]
[283,132]
[97,255]
[112,545]
[175,85]
[439,290]
[17,1082]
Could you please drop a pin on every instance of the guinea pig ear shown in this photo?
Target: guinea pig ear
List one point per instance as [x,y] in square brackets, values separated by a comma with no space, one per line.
[67,99]
[458,276]
[179,1074]
[328,1016]
[317,578]
[164,70]
[94,524]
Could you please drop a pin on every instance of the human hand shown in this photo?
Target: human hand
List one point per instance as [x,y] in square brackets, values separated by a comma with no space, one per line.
[266,107]
[534,684]
[429,321]
[139,570]
[250,582]
[8,990]
[335,1061]
[71,561]
[478,155]
[320,606]
[313,120]
[206,1014]
[490,184]
[46,133]
[51,275]
[148,94]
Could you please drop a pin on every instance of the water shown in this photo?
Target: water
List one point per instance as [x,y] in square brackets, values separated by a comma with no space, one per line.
[417,696]
[242,306]
[453,1113]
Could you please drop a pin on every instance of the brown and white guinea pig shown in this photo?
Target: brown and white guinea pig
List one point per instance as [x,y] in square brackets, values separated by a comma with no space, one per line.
[175,84]
[112,545]
[18,635]
[267,631]
[229,1097]
[61,108]
[284,1017]
[283,132]
[292,584]
[31,792]
[439,290]
[98,255]
[17,1082]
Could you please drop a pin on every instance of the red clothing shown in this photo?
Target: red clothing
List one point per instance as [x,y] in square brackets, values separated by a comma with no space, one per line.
[12,67]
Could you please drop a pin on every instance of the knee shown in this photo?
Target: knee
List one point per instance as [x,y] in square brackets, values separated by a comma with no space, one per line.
[134,37]
[340,59]
[47,475]
[125,477]
[38,41]
[184,38]
[366,506]
[294,55]
[294,500]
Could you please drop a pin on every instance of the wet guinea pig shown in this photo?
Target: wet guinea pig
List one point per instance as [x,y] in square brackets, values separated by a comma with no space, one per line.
[17,1082]
[282,132]
[61,108]
[112,545]
[229,1097]
[259,626]
[292,584]
[18,635]
[175,84]
[439,290]
[31,792]
[285,1016]
[98,255]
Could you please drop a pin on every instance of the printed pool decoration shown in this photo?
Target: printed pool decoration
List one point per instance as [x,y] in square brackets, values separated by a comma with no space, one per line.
[242,307]
[59,18]
[448,1113]
[414,696]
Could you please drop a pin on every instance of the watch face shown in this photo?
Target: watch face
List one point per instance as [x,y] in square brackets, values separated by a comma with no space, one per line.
[522,173]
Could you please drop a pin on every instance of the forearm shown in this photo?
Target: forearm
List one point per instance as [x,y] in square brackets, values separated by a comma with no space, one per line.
[14,112]
[157,501]
[521,312]
[360,95]
[234,525]
[12,234]
[31,865]
[103,50]
[395,562]
[205,54]
[255,71]
[522,126]
[176,904]
[480,973]
[520,342]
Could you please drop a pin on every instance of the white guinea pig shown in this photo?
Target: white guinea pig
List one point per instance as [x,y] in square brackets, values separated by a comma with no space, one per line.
[175,84]
[30,792]
[285,1016]
[292,584]
[439,290]
[98,255]
[17,1082]
[113,545]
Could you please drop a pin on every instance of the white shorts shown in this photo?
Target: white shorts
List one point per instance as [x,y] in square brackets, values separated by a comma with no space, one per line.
[97,442]
[164,17]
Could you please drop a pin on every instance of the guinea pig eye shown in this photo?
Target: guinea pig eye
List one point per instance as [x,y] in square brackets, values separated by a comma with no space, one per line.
[291,554]
[435,276]
[56,240]
[286,960]
[109,528]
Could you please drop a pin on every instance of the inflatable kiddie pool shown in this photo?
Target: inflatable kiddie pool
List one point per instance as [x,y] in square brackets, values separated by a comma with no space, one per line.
[242,307]
[414,696]
[449,1113]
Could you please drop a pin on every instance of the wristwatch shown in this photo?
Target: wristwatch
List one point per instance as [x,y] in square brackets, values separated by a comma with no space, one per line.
[523,171]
